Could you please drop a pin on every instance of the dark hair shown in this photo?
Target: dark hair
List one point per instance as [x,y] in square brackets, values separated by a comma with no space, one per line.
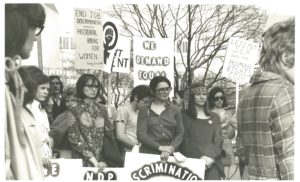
[191,110]
[211,97]
[18,19]
[140,91]
[180,93]
[52,77]
[156,80]
[32,77]
[81,82]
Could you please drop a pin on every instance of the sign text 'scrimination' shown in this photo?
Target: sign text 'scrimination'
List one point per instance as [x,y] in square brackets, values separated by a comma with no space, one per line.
[88,21]
[86,32]
[152,61]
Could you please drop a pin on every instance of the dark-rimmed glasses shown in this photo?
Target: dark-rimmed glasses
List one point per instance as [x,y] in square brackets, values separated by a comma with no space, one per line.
[164,90]
[38,30]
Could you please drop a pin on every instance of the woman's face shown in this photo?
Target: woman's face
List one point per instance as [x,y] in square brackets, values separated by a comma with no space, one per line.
[28,44]
[200,98]
[219,100]
[90,89]
[162,91]
[71,101]
[42,92]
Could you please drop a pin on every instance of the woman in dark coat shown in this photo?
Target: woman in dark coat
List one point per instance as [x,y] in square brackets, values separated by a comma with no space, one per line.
[202,134]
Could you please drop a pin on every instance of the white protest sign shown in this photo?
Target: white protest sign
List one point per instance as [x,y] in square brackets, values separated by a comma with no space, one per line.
[116,47]
[152,57]
[240,58]
[119,57]
[64,169]
[88,39]
[72,170]
[148,166]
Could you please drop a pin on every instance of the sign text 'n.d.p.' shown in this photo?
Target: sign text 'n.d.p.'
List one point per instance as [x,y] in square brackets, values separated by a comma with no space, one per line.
[240,59]
[88,39]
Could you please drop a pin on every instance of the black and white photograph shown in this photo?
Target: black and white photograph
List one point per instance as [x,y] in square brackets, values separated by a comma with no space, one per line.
[148,90]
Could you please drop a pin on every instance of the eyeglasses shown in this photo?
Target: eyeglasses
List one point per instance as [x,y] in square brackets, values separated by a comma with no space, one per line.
[219,98]
[163,90]
[38,30]
[92,86]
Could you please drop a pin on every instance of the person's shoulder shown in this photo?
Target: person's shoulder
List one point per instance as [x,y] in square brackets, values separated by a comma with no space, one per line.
[215,118]
[174,108]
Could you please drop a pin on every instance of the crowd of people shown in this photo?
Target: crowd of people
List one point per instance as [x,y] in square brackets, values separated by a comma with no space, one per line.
[45,120]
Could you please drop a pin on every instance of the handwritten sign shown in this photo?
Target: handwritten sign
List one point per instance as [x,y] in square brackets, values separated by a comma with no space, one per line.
[119,57]
[88,39]
[152,57]
[240,58]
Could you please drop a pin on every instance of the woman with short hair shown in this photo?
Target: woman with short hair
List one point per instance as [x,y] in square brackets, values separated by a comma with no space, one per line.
[160,128]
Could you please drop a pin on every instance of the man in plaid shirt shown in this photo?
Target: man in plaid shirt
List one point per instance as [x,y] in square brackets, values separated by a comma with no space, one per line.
[265,140]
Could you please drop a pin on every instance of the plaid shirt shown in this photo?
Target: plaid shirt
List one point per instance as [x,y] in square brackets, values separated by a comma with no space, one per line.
[265,137]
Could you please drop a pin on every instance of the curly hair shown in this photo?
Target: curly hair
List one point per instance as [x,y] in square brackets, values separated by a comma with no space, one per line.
[211,97]
[278,39]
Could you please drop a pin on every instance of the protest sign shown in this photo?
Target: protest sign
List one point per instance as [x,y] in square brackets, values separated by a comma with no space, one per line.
[72,170]
[88,39]
[240,59]
[149,167]
[116,48]
[137,166]
[152,57]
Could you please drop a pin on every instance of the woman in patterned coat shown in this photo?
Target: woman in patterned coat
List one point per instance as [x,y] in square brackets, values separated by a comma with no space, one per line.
[87,123]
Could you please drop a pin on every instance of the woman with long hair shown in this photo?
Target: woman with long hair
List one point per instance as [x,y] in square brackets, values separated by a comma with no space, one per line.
[88,122]
[202,133]
[217,102]
[23,23]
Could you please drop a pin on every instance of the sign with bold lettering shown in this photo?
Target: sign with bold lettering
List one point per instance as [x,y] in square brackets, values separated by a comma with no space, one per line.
[63,169]
[88,39]
[240,59]
[116,47]
[119,57]
[149,167]
[152,57]
[137,166]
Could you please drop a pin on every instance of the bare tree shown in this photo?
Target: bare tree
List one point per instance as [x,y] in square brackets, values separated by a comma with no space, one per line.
[205,29]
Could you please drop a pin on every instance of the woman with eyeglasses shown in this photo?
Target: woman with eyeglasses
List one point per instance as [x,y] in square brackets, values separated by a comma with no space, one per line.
[202,133]
[160,127]
[23,23]
[217,103]
[88,121]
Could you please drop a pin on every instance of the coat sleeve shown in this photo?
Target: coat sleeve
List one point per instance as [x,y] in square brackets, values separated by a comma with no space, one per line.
[282,128]
[178,132]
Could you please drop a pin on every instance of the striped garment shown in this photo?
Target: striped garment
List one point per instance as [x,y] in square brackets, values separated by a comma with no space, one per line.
[265,137]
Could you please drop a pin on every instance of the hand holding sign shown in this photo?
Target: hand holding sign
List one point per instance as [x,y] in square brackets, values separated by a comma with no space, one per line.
[208,161]
[168,149]
[101,166]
